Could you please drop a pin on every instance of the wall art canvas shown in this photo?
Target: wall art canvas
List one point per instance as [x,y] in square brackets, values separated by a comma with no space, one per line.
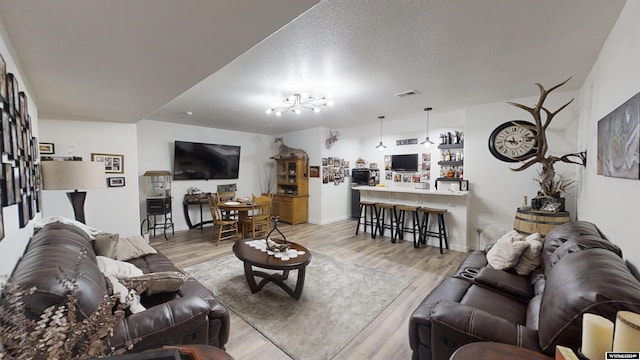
[619,141]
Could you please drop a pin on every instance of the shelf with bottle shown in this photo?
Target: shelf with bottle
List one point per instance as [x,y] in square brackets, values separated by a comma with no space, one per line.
[448,157]
[452,172]
[450,140]
[450,146]
[451,163]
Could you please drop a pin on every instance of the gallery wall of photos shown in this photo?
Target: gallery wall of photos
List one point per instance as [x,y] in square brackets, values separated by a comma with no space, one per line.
[20,176]
[334,170]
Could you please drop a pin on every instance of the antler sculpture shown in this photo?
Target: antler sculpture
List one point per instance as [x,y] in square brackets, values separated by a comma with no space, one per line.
[541,125]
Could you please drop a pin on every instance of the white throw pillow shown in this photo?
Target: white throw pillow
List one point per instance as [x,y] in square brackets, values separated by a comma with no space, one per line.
[506,251]
[132,247]
[530,258]
[118,269]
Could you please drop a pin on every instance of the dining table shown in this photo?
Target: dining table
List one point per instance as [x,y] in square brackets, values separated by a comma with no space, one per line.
[241,207]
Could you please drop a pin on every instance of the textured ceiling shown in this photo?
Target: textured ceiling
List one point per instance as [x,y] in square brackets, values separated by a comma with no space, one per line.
[125,61]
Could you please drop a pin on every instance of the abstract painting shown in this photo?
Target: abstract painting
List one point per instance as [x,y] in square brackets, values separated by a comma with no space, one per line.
[619,141]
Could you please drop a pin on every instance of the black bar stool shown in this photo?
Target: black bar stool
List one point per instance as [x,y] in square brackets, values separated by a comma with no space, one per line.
[370,207]
[382,209]
[401,211]
[424,227]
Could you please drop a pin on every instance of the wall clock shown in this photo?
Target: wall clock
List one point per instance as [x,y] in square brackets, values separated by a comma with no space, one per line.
[513,141]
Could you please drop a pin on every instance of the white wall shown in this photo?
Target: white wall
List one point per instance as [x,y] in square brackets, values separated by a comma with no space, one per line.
[15,239]
[155,144]
[611,203]
[110,209]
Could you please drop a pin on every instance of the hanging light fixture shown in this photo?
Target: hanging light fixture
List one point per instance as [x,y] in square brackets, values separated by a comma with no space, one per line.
[297,102]
[427,142]
[381,146]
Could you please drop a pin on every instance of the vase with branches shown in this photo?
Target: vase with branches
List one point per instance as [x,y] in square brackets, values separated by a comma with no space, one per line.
[267,178]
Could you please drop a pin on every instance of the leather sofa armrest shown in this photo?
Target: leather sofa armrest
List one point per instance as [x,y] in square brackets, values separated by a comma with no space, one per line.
[454,325]
[182,320]
[512,285]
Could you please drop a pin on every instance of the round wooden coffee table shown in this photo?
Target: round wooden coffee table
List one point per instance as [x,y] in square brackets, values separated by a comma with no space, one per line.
[255,257]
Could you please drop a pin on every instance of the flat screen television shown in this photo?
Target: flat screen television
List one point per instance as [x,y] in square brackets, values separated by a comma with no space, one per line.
[404,162]
[200,161]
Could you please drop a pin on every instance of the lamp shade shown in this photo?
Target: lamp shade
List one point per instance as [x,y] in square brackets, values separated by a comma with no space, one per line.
[72,175]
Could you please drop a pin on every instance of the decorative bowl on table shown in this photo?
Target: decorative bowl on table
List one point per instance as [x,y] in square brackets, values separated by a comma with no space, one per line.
[245,199]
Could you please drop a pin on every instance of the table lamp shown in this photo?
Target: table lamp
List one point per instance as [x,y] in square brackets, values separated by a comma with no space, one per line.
[73,175]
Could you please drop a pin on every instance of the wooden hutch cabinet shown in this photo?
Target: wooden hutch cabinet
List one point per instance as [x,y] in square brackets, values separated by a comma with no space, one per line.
[291,200]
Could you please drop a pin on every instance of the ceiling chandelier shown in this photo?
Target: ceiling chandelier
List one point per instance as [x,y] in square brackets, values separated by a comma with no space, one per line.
[297,102]
[427,142]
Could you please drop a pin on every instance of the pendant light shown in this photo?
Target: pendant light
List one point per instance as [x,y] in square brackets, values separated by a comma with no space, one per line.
[427,142]
[381,146]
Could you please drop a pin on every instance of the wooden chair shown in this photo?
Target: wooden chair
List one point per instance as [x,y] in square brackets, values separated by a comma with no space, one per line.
[259,222]
[226,192]
[227,227]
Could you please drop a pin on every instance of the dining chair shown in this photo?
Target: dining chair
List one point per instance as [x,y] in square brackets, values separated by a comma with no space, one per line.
[227,191]
[227,227]
[259,220]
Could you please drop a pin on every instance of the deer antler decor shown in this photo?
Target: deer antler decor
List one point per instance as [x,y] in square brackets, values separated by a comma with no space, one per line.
[542,117]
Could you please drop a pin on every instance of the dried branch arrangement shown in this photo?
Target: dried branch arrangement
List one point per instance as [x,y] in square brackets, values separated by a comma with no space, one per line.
[58,333]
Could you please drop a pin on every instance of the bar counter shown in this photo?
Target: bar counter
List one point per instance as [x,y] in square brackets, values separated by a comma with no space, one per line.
[455,202]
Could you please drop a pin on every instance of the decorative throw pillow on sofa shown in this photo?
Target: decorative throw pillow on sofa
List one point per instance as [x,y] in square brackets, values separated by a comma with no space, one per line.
[105,244]
[158,282]
[506,251]
[132,247]
[118,269]
[530,258]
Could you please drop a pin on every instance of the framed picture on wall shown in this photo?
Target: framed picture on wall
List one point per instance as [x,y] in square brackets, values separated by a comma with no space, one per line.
[314,171]
[47,148]
[619,141]
[115,181]
[113,163]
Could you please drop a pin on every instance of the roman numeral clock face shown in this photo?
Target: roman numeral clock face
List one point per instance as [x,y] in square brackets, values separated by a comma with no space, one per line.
[513,141]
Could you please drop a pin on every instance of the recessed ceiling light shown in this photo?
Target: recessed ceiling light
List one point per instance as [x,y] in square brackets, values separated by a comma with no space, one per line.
[188,113]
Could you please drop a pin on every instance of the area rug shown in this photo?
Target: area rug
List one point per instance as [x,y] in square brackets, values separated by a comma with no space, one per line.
[338,301]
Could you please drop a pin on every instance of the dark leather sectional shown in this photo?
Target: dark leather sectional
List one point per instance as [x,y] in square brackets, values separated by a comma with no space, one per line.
[191,315]
[581,272]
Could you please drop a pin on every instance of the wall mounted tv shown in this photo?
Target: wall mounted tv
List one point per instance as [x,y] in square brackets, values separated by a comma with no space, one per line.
[404,162]
[200,161]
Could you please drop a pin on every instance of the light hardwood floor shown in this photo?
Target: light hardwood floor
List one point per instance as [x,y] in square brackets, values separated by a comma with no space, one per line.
[386,337]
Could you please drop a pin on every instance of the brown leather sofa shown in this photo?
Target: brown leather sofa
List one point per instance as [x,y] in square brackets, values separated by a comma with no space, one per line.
[580,272]
[191,315]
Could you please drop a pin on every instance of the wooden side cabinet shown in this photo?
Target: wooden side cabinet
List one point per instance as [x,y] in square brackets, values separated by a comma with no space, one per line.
[291,200]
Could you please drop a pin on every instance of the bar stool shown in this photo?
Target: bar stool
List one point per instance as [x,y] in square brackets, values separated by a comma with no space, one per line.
[424,227]
[367,206]
[382,209]
[401,211]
